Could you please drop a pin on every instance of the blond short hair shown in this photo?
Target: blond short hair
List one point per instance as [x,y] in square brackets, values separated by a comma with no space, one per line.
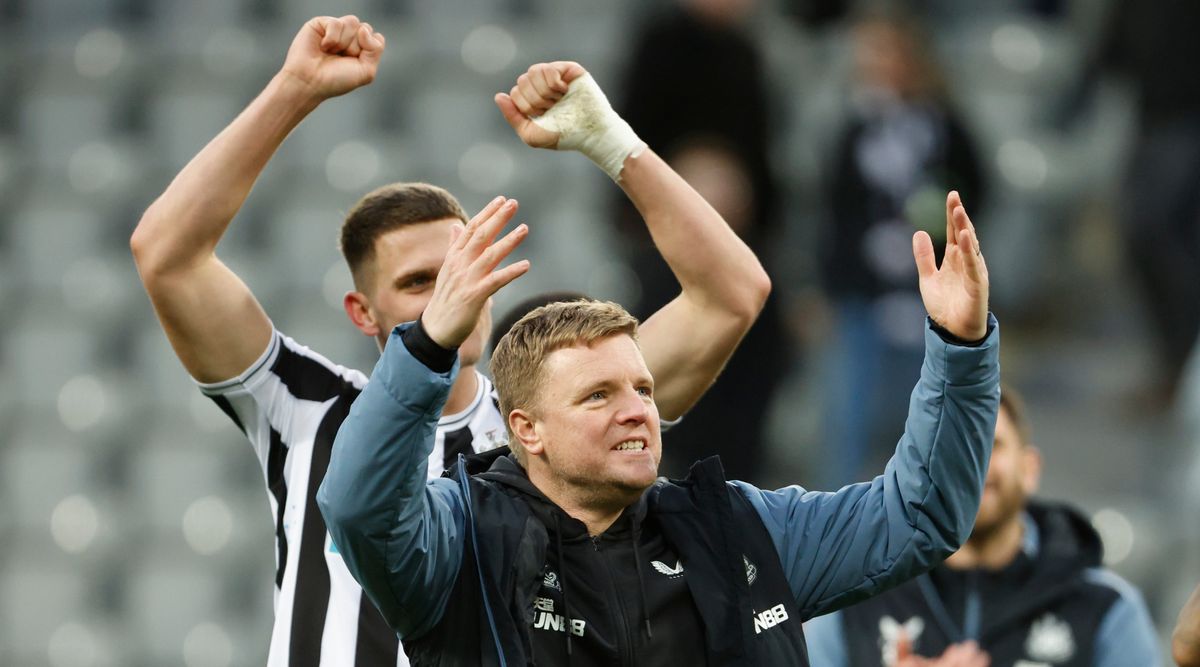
[519,358]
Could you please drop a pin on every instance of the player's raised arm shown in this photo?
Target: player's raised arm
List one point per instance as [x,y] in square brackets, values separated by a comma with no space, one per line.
[686,343]
[212,320]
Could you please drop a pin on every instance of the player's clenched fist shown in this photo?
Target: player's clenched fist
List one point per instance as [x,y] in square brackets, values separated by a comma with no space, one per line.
[332,56]
[558,105]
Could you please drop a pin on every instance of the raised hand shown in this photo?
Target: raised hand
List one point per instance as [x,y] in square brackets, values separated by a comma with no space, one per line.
[332,56]
[955,295]
[469,277]
[558,105]
[536,91]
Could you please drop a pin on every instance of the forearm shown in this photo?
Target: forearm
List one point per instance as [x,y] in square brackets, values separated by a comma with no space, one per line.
[939,467]
[715,268]
[185,223]
[839,548]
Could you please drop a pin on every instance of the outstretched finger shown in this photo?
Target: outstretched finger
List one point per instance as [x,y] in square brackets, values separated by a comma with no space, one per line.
[972,258]
[498,279]
[496,252]
[473,224]
[924,255]
[490,227]
[953,201]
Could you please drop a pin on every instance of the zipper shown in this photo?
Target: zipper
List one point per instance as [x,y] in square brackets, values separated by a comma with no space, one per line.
[469,520]
[626,636]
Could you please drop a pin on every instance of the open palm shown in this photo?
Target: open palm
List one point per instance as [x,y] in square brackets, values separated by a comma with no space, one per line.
[956,294]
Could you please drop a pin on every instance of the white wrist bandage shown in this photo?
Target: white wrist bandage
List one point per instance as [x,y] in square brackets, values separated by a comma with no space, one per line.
[586,122]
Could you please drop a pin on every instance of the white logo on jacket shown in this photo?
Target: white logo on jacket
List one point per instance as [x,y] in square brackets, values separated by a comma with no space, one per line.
[551,581]
[670,572]
[1050,639]
[765,620]
[751,571]
[890,632]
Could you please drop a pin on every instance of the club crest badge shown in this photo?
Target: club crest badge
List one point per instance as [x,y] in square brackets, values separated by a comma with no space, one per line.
[1050,640]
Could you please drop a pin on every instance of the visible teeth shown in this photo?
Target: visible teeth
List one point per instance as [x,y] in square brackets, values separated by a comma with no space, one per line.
[630,444]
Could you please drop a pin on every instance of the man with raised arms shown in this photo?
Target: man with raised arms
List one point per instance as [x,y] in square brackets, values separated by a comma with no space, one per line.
[570,551]
[290,401]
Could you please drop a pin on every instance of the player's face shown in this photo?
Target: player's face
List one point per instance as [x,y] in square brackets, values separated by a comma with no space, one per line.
[597,419]
[1011,477]
[407,261]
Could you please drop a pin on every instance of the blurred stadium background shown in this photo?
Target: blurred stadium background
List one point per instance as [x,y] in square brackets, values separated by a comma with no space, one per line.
[134,529]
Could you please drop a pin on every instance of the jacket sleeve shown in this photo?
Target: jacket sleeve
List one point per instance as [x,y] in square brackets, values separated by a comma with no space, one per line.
[1126,635]
[400,536]
[840,547]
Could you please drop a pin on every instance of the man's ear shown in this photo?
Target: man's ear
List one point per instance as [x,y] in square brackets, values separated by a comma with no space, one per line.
[1031,473]
[358,309]
[524,430]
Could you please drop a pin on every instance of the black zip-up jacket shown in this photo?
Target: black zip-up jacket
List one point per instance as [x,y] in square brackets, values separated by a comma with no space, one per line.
[1052,605]
[456,565]
[629,600]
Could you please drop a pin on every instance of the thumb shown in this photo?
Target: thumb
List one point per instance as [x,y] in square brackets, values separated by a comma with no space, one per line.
[510,111]
[923,254]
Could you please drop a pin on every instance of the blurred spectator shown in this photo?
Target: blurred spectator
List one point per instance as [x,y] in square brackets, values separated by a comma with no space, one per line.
[711,123]
[902,148]
[1027,588]
[1155,45]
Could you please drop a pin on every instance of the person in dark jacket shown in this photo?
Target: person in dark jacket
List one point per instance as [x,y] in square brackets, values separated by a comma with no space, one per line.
[569,551]
[1026,590]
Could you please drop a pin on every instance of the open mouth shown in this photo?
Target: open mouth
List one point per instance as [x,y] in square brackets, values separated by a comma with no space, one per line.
[635,445]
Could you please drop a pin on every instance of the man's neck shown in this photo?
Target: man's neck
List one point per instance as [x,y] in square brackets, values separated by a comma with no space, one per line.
[993,550]
[597,521]
[598,517]
[463,391]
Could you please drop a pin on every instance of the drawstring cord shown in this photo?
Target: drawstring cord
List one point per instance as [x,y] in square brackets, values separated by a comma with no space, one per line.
[637,563]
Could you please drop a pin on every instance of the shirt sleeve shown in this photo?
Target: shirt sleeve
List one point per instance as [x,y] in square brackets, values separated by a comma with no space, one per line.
[840,547]
[826,639]
[401,537]
[1126,635]
[267,401]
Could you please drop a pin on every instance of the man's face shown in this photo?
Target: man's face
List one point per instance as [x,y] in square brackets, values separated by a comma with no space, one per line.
[597,421]
[1012,477]
[404,270]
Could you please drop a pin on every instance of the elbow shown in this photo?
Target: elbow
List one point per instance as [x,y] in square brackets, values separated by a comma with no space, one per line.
[752,298]
[143,246]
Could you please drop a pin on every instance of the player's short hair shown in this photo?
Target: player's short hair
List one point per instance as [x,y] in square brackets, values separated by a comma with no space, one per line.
[389,208]
[1013,405]
[520,355]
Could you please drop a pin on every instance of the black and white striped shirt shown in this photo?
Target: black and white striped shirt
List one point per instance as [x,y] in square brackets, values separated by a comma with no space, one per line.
[290,404]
